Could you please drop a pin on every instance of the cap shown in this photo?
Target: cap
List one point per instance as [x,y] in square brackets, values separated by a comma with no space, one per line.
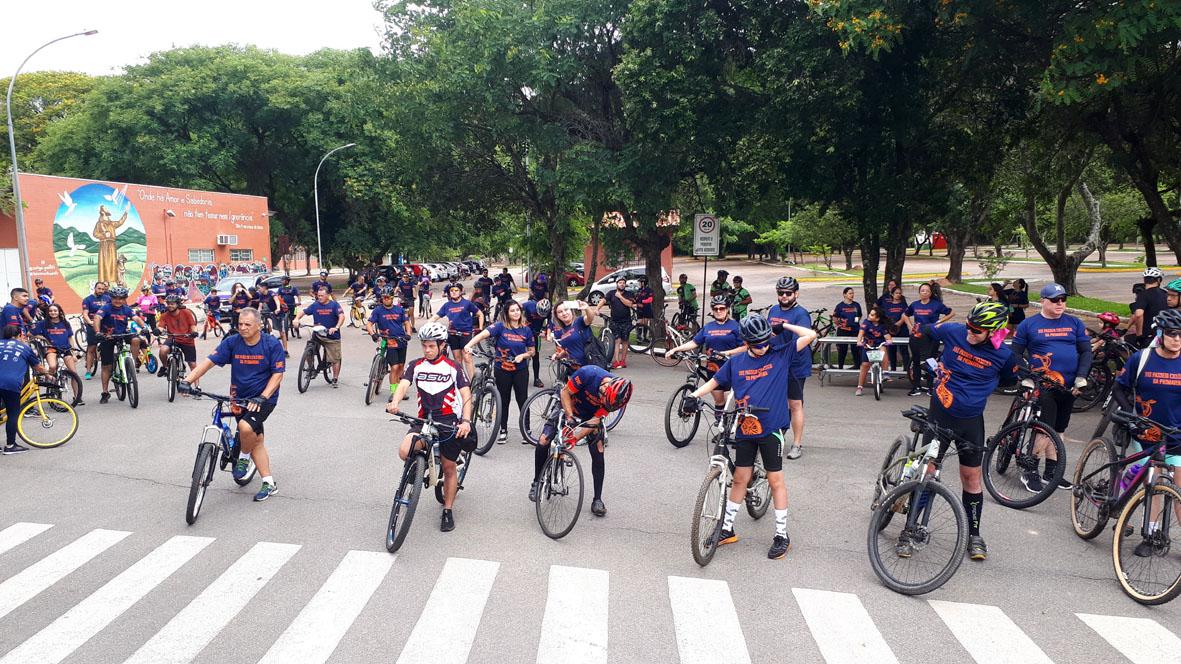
[1052,290]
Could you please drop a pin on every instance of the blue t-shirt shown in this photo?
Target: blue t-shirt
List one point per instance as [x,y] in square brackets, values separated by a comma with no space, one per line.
[537,289]
[719,337]
[802,361]
[894,311]
[511,342]
[327,314]
[158,289]
[317,285]
[926,314]
[845,316]
[44,292]
[583,386]
[92,303]
[460,314]
[760,382]
[500,290]
[967,374]
[873,333]
[358,288]
[12,315]
[16,358]
[389,322]
[535,320]
[288,294]
[484,285]
[572,339]
[240,300]
[406,288]
[1158,389]
[115,319]
[251,367]
[213,302]
[58,333]
[1054,345]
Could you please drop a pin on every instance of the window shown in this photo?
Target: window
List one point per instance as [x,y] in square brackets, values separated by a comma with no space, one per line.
[241,255]
[200,255]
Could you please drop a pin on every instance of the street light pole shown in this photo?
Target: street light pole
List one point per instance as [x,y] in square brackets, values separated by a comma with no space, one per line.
[316,196]
[21,243]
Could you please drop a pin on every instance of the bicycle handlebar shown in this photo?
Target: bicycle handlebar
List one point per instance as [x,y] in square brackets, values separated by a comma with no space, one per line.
[410,419]
[188,388]
[923,417]
[1131,419]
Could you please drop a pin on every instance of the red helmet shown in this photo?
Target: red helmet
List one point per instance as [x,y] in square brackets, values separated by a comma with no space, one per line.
[1108,318]
[615,393]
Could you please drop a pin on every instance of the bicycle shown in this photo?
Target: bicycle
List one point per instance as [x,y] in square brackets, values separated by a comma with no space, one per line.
[79,326]
[424,305]
[61,384]
[1013,445]
[909,485]
[685,321]
[176,363]
[710,504]
[123,374]
[560,481]
[1109,358]
[314,360]
[213,317]
[485,401]
[542,405]
[673,337]
[876,355]
[378,370]
[680,428]
[357,313]
[43,421]
[218,449]
[822,325]
[423,468]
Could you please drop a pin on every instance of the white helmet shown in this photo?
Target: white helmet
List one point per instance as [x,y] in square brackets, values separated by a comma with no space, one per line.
[433,332]
[1153,273]
[632,285]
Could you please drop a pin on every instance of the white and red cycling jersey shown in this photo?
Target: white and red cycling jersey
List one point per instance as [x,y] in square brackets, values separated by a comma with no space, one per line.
[438,384]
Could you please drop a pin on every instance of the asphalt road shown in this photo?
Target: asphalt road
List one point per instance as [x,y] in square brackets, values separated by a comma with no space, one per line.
[622,588]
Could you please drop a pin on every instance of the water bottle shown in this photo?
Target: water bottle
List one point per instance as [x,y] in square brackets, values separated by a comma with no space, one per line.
[1128,476]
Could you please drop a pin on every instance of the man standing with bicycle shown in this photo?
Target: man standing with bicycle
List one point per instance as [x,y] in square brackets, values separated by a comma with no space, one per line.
[389,320]
[443,392]
[1059,349]
[179,323]
[112,320]
[327,313]
[16,359]
[257,365]
[787,311]
[759,377]
[90,306]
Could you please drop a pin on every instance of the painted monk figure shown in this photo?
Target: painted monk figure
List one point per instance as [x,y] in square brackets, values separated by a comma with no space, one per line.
[104,233]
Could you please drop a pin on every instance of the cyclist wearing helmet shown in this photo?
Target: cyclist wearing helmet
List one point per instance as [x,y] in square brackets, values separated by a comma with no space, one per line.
[328,313]
[742,299]
[537,315]
[1150,382]
[621,302]
[111,319]
[974,360]
[788,310]
[759,377]
[268,303]
[644,297]
[720,335]
[1060,349]
[589,394]
[441,386]
[389,320]
[177,320]
[322,282]
[1173,294]
[1149,302]
[926,311]
[463,317]
[720,286]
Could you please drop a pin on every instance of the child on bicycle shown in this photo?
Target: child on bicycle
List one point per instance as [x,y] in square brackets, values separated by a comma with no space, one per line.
[873,332]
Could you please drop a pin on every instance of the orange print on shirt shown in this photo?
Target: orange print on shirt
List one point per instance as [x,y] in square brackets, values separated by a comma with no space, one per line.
[751,426]
[1047,359]
[946,398]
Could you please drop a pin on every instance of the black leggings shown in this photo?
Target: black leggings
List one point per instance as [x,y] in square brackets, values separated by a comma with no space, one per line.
[920,349]
[508,382]
[12,404]
[893,352]
[843,349]
[598,465]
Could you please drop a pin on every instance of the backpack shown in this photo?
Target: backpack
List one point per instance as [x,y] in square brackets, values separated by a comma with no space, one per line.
[599,350]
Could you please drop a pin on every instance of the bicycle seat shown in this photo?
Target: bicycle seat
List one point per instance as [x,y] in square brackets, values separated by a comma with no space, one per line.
[319,329]
[917,411]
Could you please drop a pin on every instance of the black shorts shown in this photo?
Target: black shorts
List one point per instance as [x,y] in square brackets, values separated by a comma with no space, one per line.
[407,303]
[971,428]
[795,388]
[395,356]
[91,336]
[106,353]
[456,342]
[1056,406]
[189,352]
[256,418]
[770,447]
[621,329]
[451,447]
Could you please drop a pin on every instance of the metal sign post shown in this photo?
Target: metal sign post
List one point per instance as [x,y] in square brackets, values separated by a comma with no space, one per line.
[707,236]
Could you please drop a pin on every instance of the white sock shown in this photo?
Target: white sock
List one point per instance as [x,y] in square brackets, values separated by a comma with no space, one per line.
[1152,526]
[781,522]
[731,512]
[244,455]
[268,480]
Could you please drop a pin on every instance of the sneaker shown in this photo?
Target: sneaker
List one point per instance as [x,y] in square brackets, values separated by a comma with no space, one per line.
[976,548]
[162,372]
[860,389]
[1063,483]
[726,537]
[89,375]
[1033,482]
[14,448]
[598,508]
[537,383]
[242,468]
[779,547]
[266,491]
[795,452]
[106,396]
[335,383]
[448,523]
[1148,546]
[904,548]
[533,492]
[80,403]
[502,438]
[915,392]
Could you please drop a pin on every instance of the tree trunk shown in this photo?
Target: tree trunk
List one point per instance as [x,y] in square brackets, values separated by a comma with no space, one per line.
[957,246]
[897,239]
[870,257]
[1064,266]
[848,251]
[1146,224]
[559,246]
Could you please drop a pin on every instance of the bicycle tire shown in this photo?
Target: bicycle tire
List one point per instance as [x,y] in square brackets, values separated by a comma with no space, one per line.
[536,412]
[217,329]
[1105,418]
[877,382]
[405,502]
[555,483]
[173,377]
[460,472]
[758,492]
[1099,383]
[71,387]
[703,542]
[376,375]
[1125,529]
[671,340]
[890,475]
[325,368]
[307,370]
[642,335]
[47,413]
[1093,493]
[486,418]
[672,411]
[202,474]
[132,382]
[612,419]
[1013,494]
[907,491]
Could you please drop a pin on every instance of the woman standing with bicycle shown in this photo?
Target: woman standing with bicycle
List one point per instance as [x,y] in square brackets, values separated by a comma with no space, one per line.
[719,335]
[16,359]
[58,331]
[847,315]
[514,346]
[872,332]
[927,311]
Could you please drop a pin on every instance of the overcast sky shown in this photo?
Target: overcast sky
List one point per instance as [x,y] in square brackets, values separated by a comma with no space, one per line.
[129,30]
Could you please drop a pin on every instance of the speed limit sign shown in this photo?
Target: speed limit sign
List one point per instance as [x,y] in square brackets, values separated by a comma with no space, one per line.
[707,234]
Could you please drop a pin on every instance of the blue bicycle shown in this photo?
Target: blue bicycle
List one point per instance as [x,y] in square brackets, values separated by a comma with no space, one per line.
[218,448]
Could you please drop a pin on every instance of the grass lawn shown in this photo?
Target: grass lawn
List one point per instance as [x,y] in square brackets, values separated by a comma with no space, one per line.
[1091,304]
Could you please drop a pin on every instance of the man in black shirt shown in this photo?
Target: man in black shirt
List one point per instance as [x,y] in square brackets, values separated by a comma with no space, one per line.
[1149,302]
[621,302]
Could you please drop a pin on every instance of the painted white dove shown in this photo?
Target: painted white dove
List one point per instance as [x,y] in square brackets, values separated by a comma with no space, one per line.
[68,202]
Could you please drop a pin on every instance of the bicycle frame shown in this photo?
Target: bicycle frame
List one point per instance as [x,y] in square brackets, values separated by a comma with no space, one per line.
[1145,477]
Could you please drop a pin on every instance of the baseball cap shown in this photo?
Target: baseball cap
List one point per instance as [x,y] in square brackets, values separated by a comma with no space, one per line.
[1052,290]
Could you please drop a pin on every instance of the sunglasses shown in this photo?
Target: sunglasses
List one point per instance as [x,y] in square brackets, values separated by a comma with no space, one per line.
[785,292]
[1172,334]
[1057,300]
[761,346]
[719,308]
[975,330]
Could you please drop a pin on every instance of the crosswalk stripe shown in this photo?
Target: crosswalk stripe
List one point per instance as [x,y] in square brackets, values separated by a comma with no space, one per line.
[321,624]
[189,631]
[19,533]
[843,630]
[88,617]
[574,628]
[988,634]
[29,582]
[706,622]
[1141,640]
[447,626]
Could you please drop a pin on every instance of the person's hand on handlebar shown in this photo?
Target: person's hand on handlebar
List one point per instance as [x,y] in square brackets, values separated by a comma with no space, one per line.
[392,408]
[254,404]
[690,405]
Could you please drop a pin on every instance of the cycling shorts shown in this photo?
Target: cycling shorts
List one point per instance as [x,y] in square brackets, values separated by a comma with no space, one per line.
[456,341]
[91,336]
[770,447]
[970,428]
[106,353]
[395,356]
[1056,406]
[255,419]
[189,352]
[795,388]
[451,447]
[621,329]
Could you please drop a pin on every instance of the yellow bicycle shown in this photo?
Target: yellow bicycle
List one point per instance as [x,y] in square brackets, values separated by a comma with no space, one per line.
[43,421]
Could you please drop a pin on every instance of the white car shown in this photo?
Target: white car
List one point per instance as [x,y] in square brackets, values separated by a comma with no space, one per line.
[598,290]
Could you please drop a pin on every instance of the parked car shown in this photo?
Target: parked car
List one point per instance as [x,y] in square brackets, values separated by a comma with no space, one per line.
[598,290]
[574,278]
[226,286]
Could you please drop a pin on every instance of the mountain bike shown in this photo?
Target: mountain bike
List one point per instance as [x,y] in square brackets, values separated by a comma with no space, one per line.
[43,421]
[314,360]
[559,486]
[379,369]
[679,427]
[176,363]
[542,405]
[685,321]
[62,383]
[1009,453]
[822,325]
[710,506]
[123,375]
[423,468]
[1144,496]
[926,546]
[485,401]
[218,449]
[79,338]
[1109,358]
[673,337]
[357,313]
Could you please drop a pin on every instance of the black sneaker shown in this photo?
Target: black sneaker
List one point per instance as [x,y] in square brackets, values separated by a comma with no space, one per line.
[537,383]
[904,548]
[162,372]
[726,537]
[106,396]
[1063,483]
[14,448]
[779,547]
[1152,545]
[533,492]
[915,392]
[976,548]
[448,523]
[598,508]
[1032,482]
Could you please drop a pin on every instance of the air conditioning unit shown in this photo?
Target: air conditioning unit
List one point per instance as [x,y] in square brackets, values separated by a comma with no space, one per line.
[230,240]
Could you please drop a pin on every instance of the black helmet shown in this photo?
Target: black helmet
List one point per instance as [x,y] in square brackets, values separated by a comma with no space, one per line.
[172,299]
[119,291]
[990,316]
[719,301]
[286,279]
[787,284]
[755,329]
[1168,319]
[385,291]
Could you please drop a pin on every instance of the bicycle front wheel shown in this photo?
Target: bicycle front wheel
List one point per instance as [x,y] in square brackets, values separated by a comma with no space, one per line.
[486,419]
[919,553]
[307,369]
[1099,384]
[678,428]
[1146,566]
[559,494]
[132,382]
[612,419]
[708,510]
[1016,486]
[1089,507]
[376,376]
[640,340]
[47,422]
[758,492]
[538,409]
[173,377]
[202,475]
[405,502]
[671,340]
